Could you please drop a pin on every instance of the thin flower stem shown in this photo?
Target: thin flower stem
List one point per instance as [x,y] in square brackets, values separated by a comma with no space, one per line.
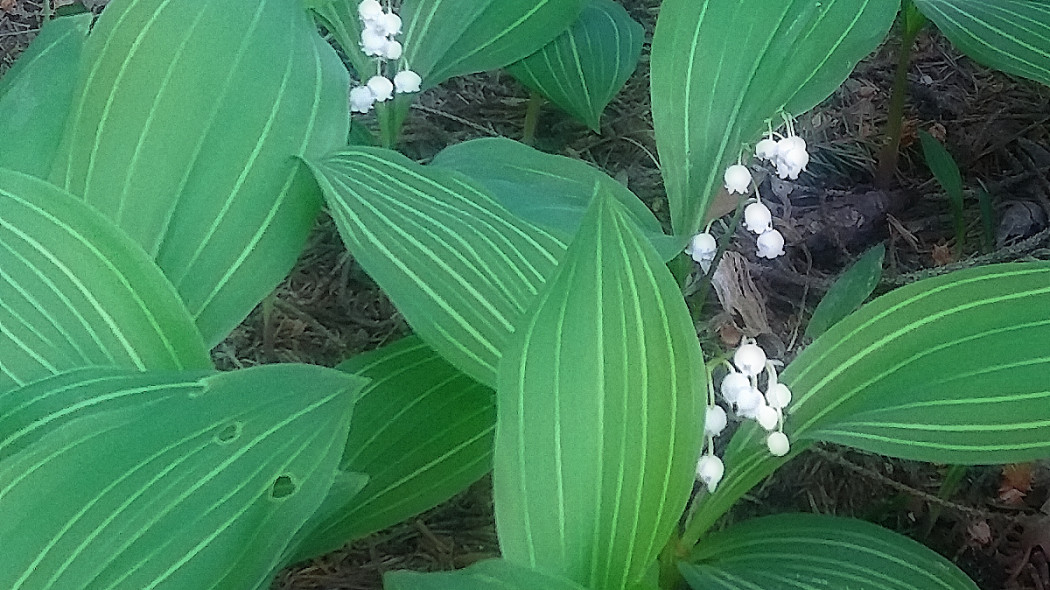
[532,117]
[705,281]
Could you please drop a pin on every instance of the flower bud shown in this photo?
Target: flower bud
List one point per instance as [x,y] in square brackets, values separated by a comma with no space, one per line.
[737,179]
[757,218]
[373,43]
[732,386]
[766,149]
[392,50]
[370,10]
[381,87]
[361,99]
[389,23]
[778,396]
[770,244]
[778,444]
[749,402]
[750,359]
[767,417]
[407,81]
[710,471]
[715,421]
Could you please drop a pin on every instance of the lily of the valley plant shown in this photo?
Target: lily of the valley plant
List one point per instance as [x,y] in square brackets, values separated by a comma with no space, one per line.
[162,168]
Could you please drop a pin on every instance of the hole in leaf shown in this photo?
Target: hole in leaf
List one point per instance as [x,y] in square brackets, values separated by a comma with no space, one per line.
[283,487]
[229,433]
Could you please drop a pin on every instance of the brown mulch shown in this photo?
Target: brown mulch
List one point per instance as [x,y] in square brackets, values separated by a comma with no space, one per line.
[998,128]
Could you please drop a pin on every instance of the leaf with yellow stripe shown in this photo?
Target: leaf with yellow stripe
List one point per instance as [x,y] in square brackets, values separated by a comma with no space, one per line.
[76,291]
[35,95]
[111,478]
[447,38]
[600,412]
[951,369]
[584,68]
[722,68]
[1008,35]
[456,263]
[421,433]
[187,122]
[816,551]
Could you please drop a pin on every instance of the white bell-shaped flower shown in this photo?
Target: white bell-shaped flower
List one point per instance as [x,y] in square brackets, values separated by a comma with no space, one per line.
[389,23]
[392,50]
[767,417]
[766,149]
[770,244]
[778,444]
[710,471]
[373,43]
[370,11]
[733,385]
[715,421]
[778,396]
[381,87]
[792,164]
[791,157]
[790,143]
[702,247]
[737,179]
[757,218]
[749,402]
[407,81]
[361,99]
[750,359]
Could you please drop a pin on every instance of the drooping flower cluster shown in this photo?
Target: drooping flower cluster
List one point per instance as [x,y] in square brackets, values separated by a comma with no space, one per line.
[788,153]
[742,392]
[379,27]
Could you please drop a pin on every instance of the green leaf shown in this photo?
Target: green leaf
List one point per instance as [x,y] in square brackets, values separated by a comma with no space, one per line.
[584,68]
[950,369]
[188,120]
[76,291]
[848,292]
[164,480]
[946,171]
[721,70]
[447,38]
[815,551]
[545,189]
[493,574]
[1008,35]
[457,264]
[600,412]
[421,433]
[946,373]
[340,18]
[35,95]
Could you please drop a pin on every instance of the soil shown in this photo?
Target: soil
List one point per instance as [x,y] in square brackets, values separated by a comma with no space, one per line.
[994,523]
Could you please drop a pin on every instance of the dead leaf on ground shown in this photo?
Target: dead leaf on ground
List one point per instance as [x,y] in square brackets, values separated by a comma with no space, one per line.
[1016,482]
[942,255]
[979,532]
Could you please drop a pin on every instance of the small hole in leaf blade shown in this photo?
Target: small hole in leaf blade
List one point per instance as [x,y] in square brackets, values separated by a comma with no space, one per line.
[229,433]
[283,487]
